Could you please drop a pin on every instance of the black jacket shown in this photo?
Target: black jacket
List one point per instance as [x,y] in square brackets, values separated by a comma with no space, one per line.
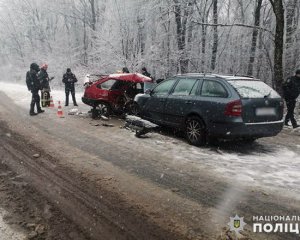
[147,74]
[44,79]
[69,79]
[291,88]
[32,81]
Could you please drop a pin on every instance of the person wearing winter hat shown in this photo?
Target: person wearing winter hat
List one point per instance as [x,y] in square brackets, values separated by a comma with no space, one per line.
[145,72]
[33,85]
[125,70]
[69,79]
[45,86]
[291,91]
[43,77]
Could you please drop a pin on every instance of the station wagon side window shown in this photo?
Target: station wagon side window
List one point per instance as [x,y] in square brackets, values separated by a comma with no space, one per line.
[164,88]
[195,91]
[213,89]
[184,87]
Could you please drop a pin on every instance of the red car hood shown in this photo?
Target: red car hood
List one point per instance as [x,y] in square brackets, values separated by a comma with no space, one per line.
[131,77]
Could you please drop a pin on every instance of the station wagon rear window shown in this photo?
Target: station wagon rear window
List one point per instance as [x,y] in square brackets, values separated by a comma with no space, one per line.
[253,89]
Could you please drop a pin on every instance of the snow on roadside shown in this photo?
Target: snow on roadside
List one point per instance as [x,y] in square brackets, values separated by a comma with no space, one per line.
[268,166]
[21,95]
[6,232]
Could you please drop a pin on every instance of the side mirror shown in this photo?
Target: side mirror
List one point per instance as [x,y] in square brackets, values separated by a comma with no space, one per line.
[148,91]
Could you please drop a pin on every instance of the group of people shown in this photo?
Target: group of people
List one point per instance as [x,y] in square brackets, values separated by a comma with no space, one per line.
[37,79]
[144,71]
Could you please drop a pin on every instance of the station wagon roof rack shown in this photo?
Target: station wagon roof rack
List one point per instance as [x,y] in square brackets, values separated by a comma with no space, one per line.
[215,74]
[224,76]
[235,75]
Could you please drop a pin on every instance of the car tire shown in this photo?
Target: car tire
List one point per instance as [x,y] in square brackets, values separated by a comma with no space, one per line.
[134,109]
[101,109]
[195,131]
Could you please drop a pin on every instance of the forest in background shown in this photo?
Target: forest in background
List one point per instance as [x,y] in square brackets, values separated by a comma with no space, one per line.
[260,38]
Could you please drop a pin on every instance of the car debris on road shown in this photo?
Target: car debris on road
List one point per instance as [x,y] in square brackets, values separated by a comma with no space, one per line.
[139,125]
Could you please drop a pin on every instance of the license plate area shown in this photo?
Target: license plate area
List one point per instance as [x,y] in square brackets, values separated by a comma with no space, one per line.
[265,112]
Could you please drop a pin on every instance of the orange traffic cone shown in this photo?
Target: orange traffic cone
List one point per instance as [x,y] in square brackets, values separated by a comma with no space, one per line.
[51,102]
[60,112]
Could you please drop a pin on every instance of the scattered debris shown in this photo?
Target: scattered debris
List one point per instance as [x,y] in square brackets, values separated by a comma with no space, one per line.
[32,235]
[219,151]
[31,225]
[4,174]
[40,229]
[139,125]
[104,118]
[73,111]
[37,155]
[8,134]
[107,178]
[96,124]
[175,190]
[107,125]
[265,193]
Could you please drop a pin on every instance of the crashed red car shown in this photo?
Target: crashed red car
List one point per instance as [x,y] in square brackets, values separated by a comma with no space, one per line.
[115,93]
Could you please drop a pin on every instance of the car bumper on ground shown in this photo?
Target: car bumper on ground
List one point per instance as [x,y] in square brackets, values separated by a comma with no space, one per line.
[245,130]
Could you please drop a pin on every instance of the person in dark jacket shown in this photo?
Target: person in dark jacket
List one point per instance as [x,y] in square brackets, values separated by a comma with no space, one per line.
[33,85]
[125,70]
[69,79]
[45,86]
[145,72]
[291,91]
[44,78]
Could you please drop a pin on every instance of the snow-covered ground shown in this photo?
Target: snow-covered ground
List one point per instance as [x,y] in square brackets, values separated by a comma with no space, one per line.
[6,232]
[266,164]
[21,95]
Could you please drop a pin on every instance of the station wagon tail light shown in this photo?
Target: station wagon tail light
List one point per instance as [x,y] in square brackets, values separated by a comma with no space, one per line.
[234,108]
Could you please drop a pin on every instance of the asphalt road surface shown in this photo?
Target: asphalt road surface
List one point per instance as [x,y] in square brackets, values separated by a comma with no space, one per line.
[75,178]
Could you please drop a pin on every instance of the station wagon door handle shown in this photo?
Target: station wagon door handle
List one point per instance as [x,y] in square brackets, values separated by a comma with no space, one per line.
[188,102]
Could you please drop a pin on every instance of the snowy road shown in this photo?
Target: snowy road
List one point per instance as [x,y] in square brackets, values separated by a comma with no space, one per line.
[224,179]
[269,164]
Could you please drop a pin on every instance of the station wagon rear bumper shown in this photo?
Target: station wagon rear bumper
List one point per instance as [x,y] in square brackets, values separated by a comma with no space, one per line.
[246,130]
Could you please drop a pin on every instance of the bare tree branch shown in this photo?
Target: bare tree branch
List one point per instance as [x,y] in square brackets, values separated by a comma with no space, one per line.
[234,25]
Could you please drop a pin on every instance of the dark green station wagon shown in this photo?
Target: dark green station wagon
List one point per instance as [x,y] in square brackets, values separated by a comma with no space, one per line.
[209,106]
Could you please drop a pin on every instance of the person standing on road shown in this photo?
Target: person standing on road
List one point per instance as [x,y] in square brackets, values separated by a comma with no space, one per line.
[291,91]
[33,85]
[145,72]
[45,86]
[69,79]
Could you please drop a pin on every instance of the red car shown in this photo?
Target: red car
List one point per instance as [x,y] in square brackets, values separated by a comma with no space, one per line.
[115,93]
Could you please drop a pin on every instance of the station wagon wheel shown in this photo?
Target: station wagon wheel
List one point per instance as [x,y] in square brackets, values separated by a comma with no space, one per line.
[133,109]
[195,131]
[101,109]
